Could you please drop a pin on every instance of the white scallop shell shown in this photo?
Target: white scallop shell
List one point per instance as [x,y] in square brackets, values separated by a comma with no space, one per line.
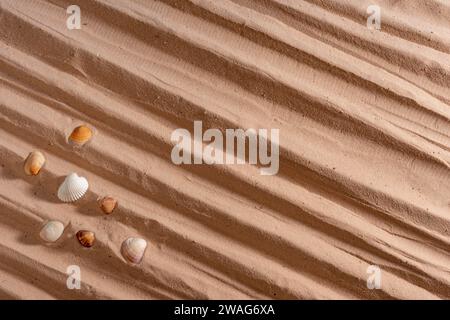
[133,249]
[52,231]
[73,188]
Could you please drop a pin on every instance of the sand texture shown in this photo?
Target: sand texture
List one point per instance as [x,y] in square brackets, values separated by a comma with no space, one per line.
[364,120]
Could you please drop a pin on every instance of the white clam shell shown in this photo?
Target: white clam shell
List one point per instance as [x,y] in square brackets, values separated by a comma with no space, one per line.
[52,231]
[133,249]
[73,188]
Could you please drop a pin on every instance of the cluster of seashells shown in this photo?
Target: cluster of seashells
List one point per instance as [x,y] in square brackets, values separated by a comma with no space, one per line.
[74,188]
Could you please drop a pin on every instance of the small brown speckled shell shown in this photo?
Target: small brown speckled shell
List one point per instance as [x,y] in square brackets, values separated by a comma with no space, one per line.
[86,238]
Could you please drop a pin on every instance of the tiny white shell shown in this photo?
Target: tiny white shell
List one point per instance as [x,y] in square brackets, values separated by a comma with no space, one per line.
[52,231]
[73,188]
[133,249]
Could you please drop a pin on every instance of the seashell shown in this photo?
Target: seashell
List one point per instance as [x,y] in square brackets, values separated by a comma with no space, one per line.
[80,135]
[52,231]
[73,188]
[133,249]
[34,163]
[108,204]
[86,238]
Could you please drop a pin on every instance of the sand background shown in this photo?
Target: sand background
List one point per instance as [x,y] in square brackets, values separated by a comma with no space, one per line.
[364,148]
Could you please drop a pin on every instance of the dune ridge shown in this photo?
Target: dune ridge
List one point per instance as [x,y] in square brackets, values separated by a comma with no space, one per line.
[364,119]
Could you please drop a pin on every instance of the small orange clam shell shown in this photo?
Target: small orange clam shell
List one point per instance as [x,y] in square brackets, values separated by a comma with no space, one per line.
[80,135]
[108,204]
[34,163]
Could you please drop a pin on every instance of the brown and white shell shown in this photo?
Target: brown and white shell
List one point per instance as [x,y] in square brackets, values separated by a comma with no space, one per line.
[34,163]
[86,238]
[133,249]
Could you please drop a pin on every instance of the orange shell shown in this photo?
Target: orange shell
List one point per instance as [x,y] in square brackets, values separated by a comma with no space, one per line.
[108,204]
[80,135]
[34,163]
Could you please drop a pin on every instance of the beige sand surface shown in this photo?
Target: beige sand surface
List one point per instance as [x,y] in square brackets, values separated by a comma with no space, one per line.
[364,119]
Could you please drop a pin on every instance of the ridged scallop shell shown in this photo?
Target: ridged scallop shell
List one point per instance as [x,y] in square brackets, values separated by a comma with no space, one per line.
[52,231]
[80,135]
[34,163]
[108,204]
[133,249]
[73,188]
[86,238]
